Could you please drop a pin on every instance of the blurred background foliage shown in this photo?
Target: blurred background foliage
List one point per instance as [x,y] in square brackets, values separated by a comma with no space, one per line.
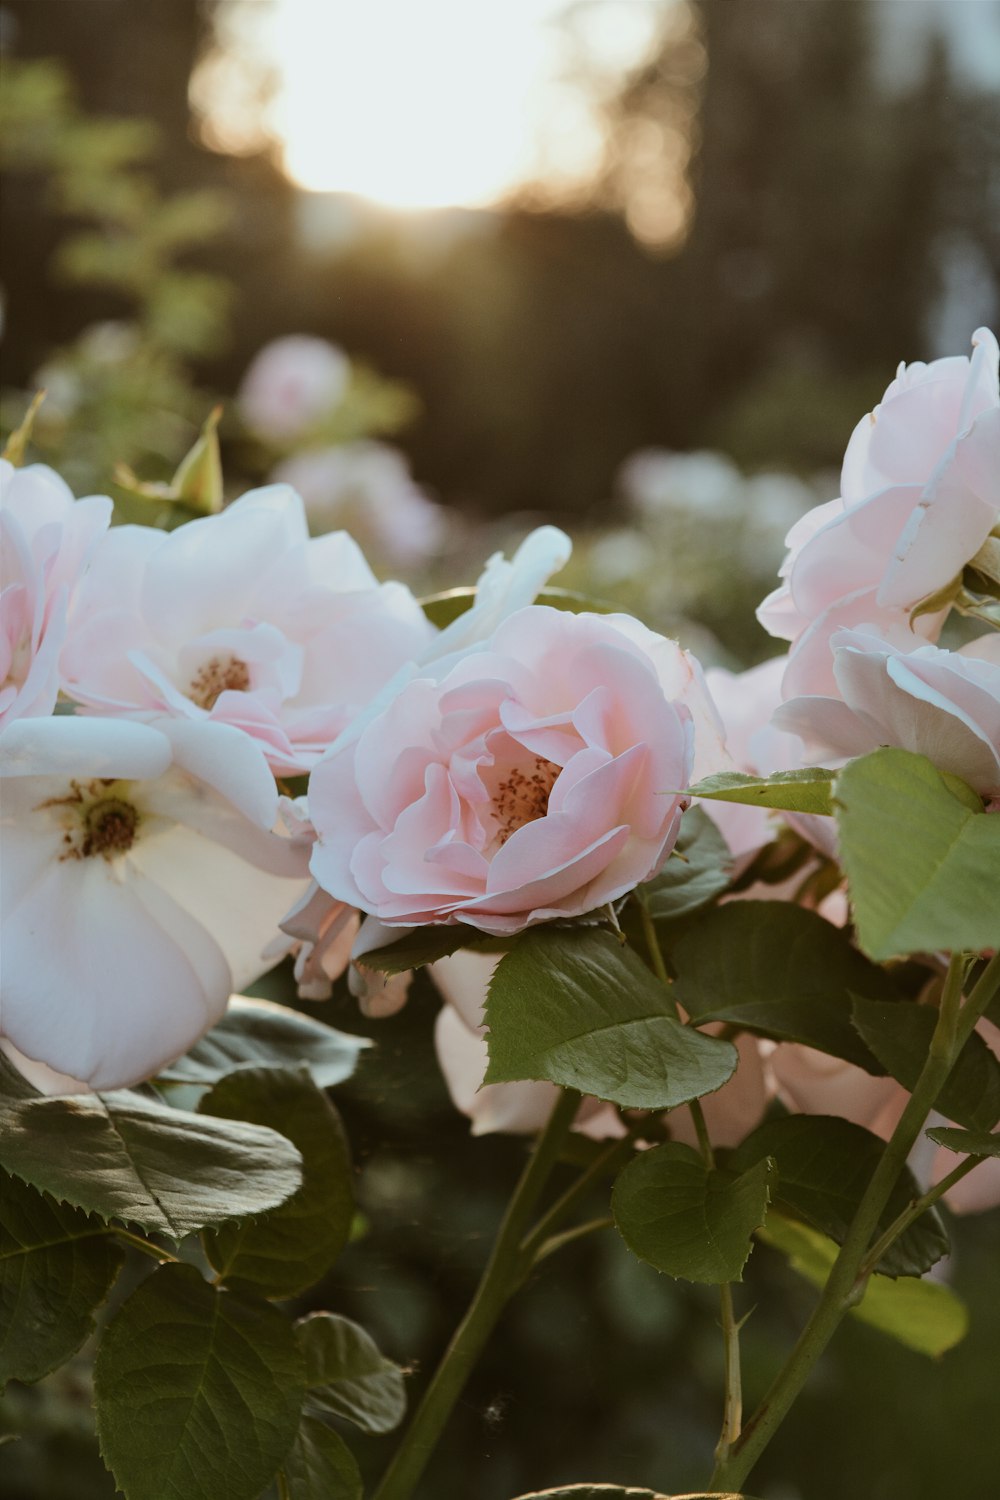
[776,216]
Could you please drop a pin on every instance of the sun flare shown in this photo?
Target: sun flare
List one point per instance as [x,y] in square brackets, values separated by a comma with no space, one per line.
[436,104]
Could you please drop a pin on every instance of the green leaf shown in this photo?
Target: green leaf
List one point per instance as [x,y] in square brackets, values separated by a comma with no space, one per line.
[616,1492]
[320,1466]
[442,608]
[923,1315]
[921,857]
[260,1034]
[126,1157]
[778,970]
[14,1085]
[806,791]
[198,1391]
[575,1006]
[57,1265]
[824,1166]
[287,1250]
[423,945]
[966,1142]
[686,1220]
[604,1492]
[696,872]
[900,1037]
[348,1376]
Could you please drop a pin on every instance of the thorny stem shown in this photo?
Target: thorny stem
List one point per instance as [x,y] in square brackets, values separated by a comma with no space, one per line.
[732,1413]
[845,1284]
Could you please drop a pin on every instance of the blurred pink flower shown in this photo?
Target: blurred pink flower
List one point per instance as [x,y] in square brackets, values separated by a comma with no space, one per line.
[526,780]
[46,538]
[735,1109]
[140,884]
[810,1082]
[460,1039]
[920,495]
[240,618]
[942,704]
[291,385]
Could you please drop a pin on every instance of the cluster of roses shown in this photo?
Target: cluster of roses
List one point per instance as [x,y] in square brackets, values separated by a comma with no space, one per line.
[521,765]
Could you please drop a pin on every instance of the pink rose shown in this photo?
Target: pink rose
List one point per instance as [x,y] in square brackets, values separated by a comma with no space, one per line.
[241,618]
[292,384]
[46,538]
[942,704]
[920,495]
[534,777]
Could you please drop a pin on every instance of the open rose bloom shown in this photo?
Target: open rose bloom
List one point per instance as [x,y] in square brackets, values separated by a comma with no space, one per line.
[534,778]
[141,881]
[942,704]
[241,619]
[920,494]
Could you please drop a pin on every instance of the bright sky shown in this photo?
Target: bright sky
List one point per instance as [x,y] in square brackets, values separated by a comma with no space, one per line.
[427,103]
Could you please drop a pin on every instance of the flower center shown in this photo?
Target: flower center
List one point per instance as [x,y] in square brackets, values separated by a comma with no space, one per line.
[222,674]
[97,818]
[109,827]
[523,795]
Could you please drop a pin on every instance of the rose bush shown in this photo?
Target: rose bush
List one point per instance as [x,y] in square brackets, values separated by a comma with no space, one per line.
[754,1019]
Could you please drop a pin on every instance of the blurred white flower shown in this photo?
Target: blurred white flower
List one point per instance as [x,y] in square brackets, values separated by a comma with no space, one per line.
[291,385]
[367,488]
[140,884]
[656,481]
[617,556]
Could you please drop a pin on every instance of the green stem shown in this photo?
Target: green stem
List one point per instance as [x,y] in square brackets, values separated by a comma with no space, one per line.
[845,1284]
[569,1236]
[732,1411]
[983,991]
[653,944]
[909,1215]
[503,1275]
[620,1151]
